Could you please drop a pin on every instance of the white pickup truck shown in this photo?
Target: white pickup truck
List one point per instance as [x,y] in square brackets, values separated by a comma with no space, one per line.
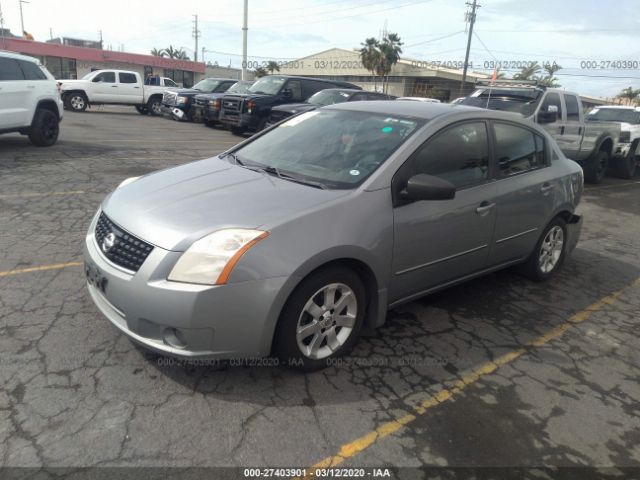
[115,87]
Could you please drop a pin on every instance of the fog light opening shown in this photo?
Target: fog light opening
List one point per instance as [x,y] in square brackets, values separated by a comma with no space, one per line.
[174,338]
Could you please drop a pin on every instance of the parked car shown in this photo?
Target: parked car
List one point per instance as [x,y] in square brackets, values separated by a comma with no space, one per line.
[419,99]
[207,105]
[591,144]
[296,238]
[323,98]
[111,87]
[182,102]
[251,111]
[29,99]
[626,156]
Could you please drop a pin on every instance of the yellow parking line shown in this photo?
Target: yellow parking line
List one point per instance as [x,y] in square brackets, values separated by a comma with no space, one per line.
[35,194]
[351,449]
[55,266]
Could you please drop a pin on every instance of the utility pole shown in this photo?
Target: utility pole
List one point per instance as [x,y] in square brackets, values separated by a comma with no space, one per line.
[471,18]
[101,47]
[196,34]
[203,50]
[244,39]
[21,17]
[4,45]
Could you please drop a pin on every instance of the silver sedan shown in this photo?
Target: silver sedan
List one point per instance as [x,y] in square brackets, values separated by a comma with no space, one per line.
[294,240]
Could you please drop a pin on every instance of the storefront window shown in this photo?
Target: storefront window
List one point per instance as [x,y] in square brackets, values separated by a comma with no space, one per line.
[61,68]
[180,76]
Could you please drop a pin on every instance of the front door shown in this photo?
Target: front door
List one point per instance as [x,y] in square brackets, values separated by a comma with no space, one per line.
[436,242]
[105,88]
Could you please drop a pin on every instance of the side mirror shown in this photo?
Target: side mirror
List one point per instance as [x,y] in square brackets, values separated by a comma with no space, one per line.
[287,93]
[548,117]
[428,187]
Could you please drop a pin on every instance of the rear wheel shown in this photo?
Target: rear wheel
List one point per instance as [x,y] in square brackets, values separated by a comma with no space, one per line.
[322,319]
[596,167]
[549,253]
[45,128]
[154,106]
[626,167]
[76,101]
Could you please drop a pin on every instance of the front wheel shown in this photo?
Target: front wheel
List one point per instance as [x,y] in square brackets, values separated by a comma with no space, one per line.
[322,319]
[76,101]
[154,106]
[549,253]
[596,167]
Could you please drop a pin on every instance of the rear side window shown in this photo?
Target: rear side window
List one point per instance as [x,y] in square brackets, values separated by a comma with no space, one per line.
[128,78]
[573,108]
[552,99]
[518,149]
[105,77]
[32,71]
[459,154]
[10,70]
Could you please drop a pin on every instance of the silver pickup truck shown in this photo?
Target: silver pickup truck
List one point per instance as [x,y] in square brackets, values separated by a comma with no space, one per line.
[591,144]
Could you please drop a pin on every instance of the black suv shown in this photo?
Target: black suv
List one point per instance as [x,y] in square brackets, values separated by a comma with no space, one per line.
[251,111]
[322,99]
[184,98]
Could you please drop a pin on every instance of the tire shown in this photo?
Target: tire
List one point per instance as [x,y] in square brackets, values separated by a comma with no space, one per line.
[76,101]
[548,256]
[142,110]
[45,128]
[596,167]
[262,124]
[328,334]
[626,167]
[154,106]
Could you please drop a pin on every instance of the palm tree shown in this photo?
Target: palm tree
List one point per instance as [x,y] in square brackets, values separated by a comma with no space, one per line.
[549,80]
[391,50]
[272,67]
[177,53]
[370,56]
[629,94]
[158,52]
[528,73]
[260,72]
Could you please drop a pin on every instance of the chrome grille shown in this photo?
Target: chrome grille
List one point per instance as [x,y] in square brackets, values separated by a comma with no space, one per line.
[231,105]
[169,98]
[127,251]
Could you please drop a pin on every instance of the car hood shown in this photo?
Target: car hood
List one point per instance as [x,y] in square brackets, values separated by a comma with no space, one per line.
[294,107]
[174,207]
[248,96]
[210,96]
[66,84]
[187,91]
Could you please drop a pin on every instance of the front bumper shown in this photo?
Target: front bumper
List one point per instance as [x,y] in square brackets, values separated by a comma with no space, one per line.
[241,120]
[622,150]
[179,319]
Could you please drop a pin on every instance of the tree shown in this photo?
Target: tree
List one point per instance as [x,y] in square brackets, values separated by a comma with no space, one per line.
[630,95]
[260,72]
[549,80]
[177,53]
[158,52]
[272,67]
[528,73]
[379,57]
[370,56]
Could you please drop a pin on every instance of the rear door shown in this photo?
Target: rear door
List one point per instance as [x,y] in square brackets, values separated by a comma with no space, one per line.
[129,90]
[572,137]
[15,106]
[104,88]
[526,191]
[436,242]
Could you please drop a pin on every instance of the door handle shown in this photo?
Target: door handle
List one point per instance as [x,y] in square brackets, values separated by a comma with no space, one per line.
[484,208]
[546,188]
[136,87]
[114,86]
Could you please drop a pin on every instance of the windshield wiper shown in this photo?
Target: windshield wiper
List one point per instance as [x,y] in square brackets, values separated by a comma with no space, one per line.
[291,178]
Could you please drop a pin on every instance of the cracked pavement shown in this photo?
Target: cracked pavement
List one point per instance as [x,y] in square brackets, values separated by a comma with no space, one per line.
[77,393]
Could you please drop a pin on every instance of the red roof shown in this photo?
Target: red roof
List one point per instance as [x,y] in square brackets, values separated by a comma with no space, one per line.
[29,47]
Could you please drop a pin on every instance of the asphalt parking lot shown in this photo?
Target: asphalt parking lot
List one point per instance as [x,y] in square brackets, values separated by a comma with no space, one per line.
[496,372]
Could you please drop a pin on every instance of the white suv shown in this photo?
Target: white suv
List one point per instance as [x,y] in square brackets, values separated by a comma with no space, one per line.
[29,99]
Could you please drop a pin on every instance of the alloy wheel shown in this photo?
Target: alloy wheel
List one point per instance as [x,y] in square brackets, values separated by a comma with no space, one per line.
[327,321]
[551,249]
[77,102]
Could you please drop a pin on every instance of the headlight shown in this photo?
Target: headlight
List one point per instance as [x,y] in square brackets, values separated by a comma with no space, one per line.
[182,99]
[210,260]
[127,181]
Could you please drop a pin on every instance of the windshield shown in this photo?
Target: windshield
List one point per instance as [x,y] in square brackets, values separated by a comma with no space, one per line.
[206,85]
[89,75]
[338,149]
[328,97]
[523,101]
[240,87]
[614,115]
[268,85]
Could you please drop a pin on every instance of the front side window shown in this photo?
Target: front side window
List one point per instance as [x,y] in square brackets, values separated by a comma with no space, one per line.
[105,77]
[295,87]
[552,99]
[518,149]
[128,78]
[10,70]
[268,85]
[335,148]
[459,154]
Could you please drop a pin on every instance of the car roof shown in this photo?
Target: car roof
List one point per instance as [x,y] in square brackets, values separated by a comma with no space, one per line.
[425,110]
[617,107]
[17,56]
[324,80]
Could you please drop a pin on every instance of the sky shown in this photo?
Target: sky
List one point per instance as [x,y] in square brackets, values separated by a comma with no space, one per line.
[585,37]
